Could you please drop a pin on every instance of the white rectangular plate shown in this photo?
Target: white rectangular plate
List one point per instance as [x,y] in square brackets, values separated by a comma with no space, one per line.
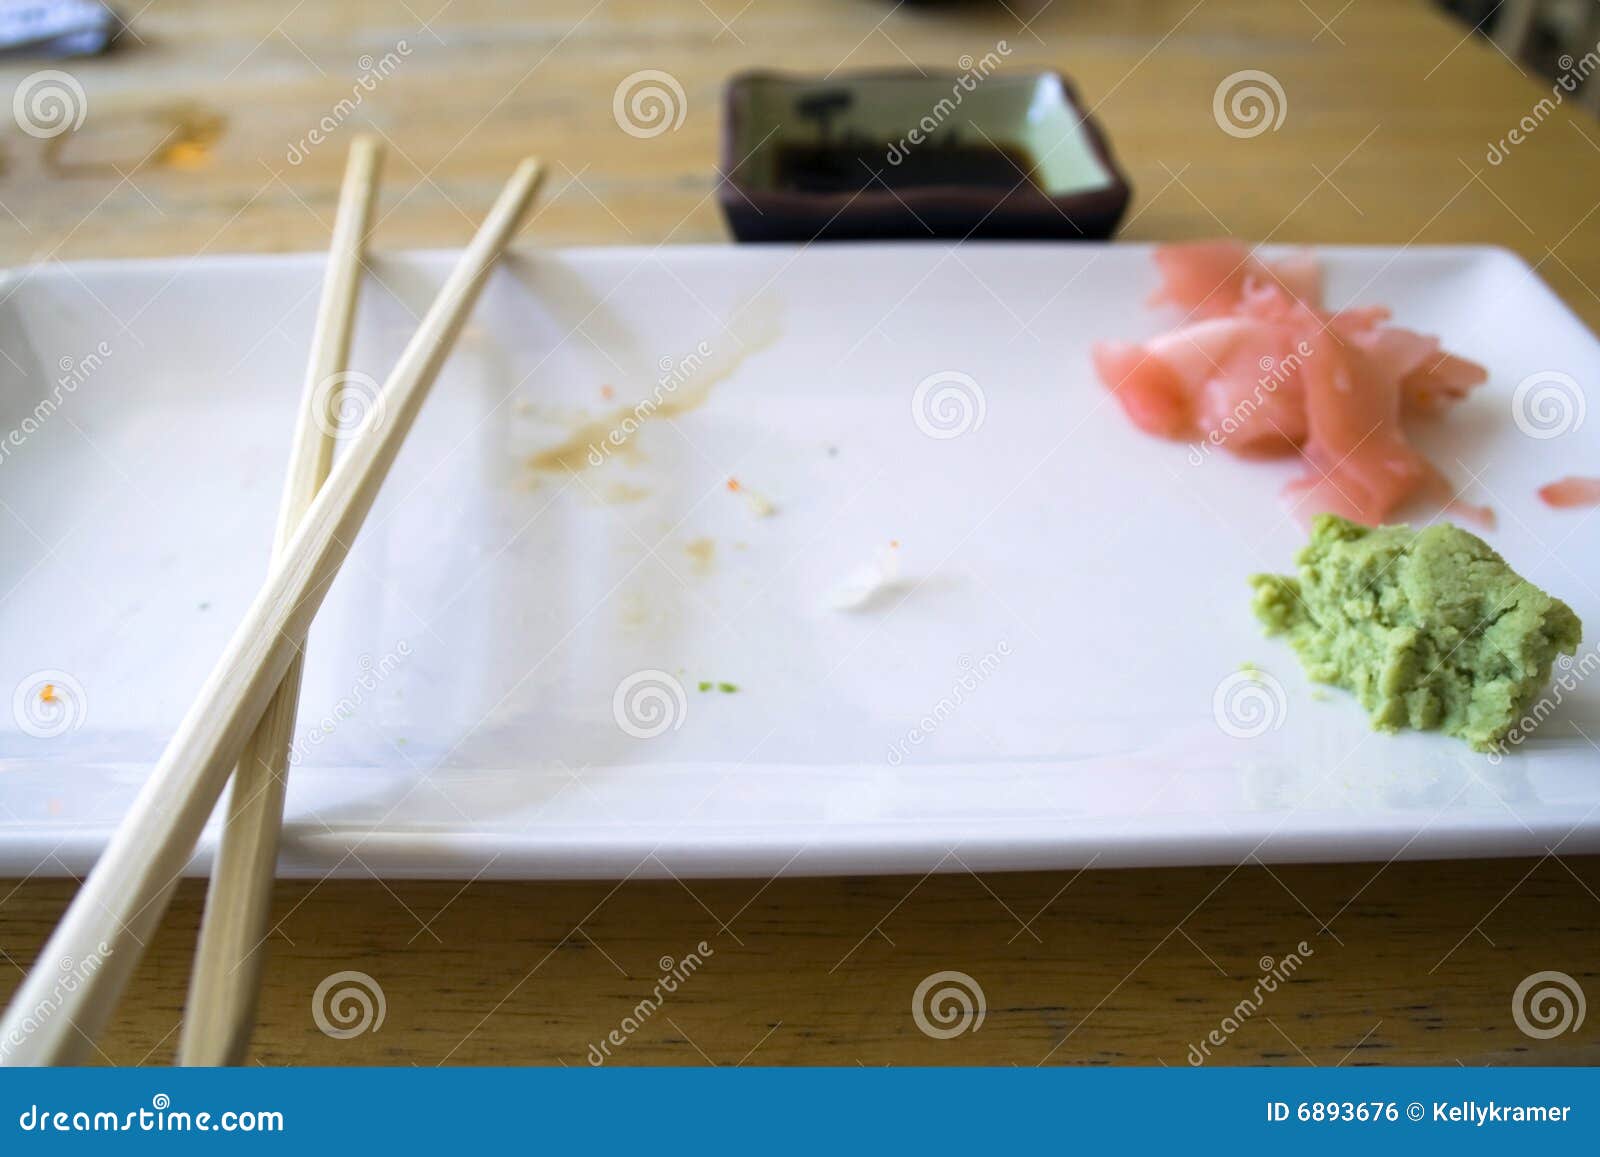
[1039,690]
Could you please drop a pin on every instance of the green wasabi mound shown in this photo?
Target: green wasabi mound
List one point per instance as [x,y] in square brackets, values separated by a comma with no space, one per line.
[1430,629]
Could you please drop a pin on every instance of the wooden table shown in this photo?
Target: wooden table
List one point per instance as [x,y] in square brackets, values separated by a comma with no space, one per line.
[1391,110]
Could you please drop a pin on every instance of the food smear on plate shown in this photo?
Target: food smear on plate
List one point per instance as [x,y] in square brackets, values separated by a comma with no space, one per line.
[702,554]
[681,384]
[620,493]
[610,436]
[1260,368]
[1430,629]
[1571,491]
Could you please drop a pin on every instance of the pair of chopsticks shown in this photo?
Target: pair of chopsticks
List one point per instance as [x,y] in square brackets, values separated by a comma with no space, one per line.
[220,1011]
[244,714]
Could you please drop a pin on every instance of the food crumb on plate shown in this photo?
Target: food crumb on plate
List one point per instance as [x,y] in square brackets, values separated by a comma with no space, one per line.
[759,504]
[864,584]
[1571,491]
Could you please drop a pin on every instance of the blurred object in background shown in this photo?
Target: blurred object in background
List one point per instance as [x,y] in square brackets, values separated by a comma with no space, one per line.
[1559,39]
[55,28]
[916,154]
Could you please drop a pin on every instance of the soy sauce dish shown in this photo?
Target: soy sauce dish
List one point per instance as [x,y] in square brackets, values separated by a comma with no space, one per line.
[901,154]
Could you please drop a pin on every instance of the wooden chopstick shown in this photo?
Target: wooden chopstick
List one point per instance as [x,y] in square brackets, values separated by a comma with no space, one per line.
[119,905]
[223,987]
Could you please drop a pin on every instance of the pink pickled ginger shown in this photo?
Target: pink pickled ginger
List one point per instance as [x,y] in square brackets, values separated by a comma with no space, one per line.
[1259,367]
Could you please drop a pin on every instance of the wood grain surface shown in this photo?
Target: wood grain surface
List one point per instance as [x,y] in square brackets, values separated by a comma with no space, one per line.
[189,146]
